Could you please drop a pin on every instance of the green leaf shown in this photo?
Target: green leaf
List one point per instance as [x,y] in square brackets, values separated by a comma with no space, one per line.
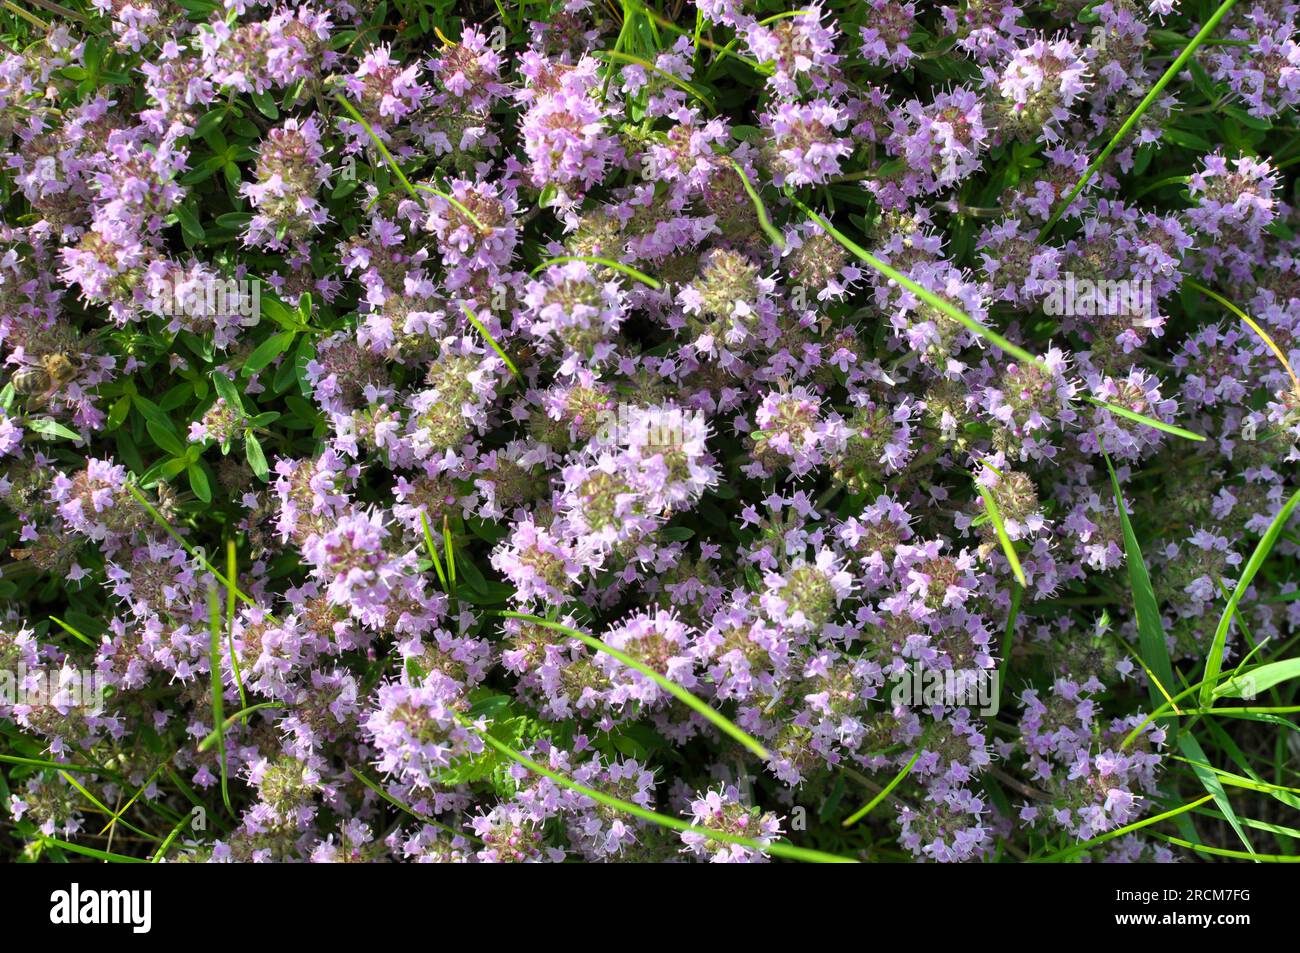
[267,351]
[189,222]
[279,312]
[265,105]
[256,458]
[226,390]
[49,427]
[199,482]
[165,436]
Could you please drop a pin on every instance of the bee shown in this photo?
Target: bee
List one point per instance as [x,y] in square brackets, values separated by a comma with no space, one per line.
[44,378]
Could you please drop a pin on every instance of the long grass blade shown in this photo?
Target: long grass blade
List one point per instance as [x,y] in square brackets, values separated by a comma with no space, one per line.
[894,782]
[1174,69]
[775,848]
[1210,781]
[999,527]
[218,701]
[469,313]
[1151,629]
[1214,660]
[724,724]
[929,297]
[606,262]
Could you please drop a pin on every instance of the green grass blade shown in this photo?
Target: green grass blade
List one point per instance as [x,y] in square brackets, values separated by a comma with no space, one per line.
[723,723]
[433,551]
[929,297]
[104,807]
[379,144]
[1210,780]
[117,815]
[231,575]
[161,521]
[771,231]
[1259,679]
[1174,69]
[1250,323]
[606,262]
[884,792]
[1120,832]
[450,550]
[214,736]
[169,839]
[1142,418]
[775,848]
[218,701]
[103,855]
[1151,629]
[1214,660]
[469,313]
[1008,547]
[675,80]
[56,765]
[73,632]
[1223,852]
[407,809]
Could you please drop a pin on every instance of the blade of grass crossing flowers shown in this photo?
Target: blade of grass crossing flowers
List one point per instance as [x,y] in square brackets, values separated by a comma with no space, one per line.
[232,574]
[214,736]
[450,550]
[1214,660]
[56,765]
[407,809]
[104,855]
[884,792]
[158,517]
[764,222]
[724,724]
[411,190]
[1151,630]
[647,65]
[929,297]
[379,144]
[218,702]
[469,313]
[1142,418]
[1121,831]
[170,838]
[1174,69]
[1008,547]
[73,632]
[1224,852]
[1250,322]
[606,262]
[432,549]
[1210,781]
[1017,594]
[117,815]
[104,807]
[775,848]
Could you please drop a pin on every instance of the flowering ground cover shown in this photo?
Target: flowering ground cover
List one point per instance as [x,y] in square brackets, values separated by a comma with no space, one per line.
[649,430]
